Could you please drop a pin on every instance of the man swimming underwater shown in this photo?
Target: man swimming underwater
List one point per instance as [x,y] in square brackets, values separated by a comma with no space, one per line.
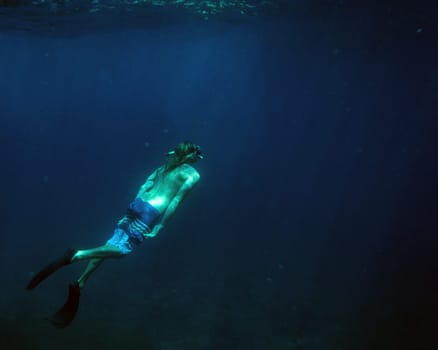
[148,213]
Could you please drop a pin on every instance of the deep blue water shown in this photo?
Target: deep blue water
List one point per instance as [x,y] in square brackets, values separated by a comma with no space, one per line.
[314,223]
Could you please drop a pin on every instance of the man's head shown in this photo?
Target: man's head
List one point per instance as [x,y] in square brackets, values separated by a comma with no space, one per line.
[184,152]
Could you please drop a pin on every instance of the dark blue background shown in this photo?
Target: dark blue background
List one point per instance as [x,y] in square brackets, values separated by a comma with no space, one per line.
[313,226]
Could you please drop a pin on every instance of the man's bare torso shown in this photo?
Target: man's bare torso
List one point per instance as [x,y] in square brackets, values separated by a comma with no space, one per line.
[166,186]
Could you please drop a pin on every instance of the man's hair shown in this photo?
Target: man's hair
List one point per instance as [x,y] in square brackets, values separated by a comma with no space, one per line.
[179,154]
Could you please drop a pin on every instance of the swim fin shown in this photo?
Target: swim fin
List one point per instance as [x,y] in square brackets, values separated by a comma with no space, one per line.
[51,268]
[65,315]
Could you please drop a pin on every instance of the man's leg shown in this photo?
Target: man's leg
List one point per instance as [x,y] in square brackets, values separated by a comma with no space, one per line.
[65,315]
[103,252]
[96,257]
[91,267]
[71,255]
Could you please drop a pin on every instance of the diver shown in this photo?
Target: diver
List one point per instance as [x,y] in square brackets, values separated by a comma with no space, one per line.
[153,206]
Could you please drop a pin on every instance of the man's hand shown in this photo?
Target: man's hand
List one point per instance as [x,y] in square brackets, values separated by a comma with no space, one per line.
[154,232]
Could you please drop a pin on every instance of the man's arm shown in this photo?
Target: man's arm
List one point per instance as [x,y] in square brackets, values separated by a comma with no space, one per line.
[174,203]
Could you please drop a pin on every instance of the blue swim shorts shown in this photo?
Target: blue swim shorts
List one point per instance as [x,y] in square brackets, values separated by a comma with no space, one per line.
[122,241]
[139,220]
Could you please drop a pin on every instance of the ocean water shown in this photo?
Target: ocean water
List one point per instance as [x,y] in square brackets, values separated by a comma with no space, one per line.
[314,224]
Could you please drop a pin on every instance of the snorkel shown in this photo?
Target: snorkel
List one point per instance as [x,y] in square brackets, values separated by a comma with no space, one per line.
[196,150]
[184,152]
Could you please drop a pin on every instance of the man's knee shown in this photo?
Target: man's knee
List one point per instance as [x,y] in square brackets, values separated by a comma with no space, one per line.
[117,251]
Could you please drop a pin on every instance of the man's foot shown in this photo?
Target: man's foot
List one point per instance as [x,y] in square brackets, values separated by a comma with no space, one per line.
[51,268]
[66,314]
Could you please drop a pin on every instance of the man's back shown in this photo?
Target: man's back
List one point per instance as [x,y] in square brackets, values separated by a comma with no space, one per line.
[167,185]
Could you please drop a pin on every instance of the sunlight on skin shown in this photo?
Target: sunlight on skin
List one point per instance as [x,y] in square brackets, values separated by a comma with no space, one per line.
[157,201]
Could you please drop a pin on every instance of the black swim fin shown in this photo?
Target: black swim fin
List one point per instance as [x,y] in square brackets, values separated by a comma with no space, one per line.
[51,268]
[66,314]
